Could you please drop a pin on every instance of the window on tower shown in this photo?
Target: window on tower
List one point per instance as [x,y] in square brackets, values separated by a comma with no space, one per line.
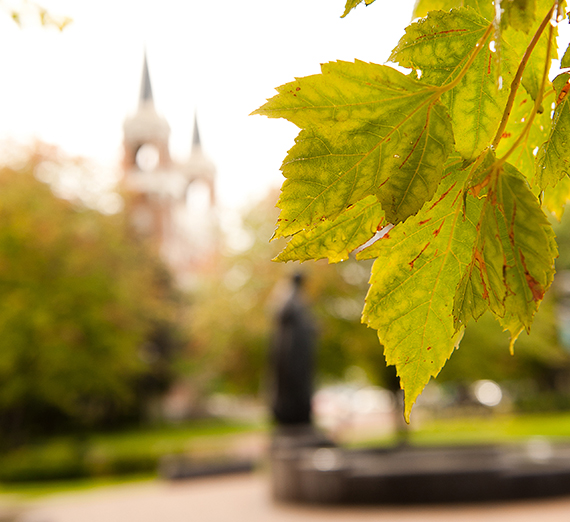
[147,157]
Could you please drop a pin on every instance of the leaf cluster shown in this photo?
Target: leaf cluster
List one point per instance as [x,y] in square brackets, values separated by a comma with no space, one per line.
[440,175]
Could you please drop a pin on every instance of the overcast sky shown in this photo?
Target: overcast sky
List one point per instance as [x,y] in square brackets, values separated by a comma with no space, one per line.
[220,57]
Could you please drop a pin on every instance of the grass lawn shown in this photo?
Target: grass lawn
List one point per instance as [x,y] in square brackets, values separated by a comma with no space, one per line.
[503,428]
[98,459]
[21,491]
[485,429]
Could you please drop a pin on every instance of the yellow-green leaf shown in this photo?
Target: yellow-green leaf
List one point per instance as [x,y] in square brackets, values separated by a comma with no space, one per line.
[484,7]
[553,161]
[335,239]
[529,246]
[519,14]
[565,61]
[437,48]
[512,263]
[419,264]
[519,40]
[555,198]
[367,129]
[482,286]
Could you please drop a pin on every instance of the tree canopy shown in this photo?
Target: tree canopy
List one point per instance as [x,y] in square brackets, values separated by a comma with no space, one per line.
[82,303]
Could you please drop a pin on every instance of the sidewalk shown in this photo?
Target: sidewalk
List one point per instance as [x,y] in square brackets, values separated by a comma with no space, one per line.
[246,498]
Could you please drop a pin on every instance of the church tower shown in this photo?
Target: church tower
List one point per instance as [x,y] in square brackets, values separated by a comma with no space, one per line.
[172,205]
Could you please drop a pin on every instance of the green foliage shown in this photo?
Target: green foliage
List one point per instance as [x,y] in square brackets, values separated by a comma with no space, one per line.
[80,301]
[447,155]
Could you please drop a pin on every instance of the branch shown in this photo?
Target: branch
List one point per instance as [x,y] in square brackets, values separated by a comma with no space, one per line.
[518,76]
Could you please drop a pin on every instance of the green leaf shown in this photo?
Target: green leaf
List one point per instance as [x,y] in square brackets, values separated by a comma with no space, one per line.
[565,62]
[484,7]
[335,239]
[530,251]
[367,129]
[519,14]
[512,263]
[423,7]
[555,198]
[418,266]
[519,40]
[482,285]
[351,4]
[553,160]
[437,47]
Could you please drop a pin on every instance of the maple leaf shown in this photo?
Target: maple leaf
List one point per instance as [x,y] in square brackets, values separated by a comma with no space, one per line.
[519,35]
[367,129]
[512,264]
[555,198]
[438,47]
[418,266]
[520,14]
[553,160]
[483,7]
[336,239]
[565,61]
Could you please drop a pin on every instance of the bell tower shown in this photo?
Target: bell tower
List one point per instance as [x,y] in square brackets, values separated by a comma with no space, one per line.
[146,164]
[171,205]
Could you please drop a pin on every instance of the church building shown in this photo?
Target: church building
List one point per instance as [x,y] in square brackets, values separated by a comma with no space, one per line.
[172,205]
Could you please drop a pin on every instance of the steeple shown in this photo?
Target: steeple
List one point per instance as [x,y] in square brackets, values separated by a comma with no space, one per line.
[146,88]
[146,127]
[196,135]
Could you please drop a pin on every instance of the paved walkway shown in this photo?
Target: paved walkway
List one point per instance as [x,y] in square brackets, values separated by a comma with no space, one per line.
[246,498]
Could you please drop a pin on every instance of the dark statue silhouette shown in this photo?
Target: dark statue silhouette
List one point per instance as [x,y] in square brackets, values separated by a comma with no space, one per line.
[292,360]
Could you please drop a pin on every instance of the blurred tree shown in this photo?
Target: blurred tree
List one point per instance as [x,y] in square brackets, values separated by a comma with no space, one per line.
[85,313]
[233,312]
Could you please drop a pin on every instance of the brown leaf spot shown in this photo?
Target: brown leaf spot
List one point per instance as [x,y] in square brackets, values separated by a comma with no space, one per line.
[535,287]
[424,222]
[443,195]
[380,226]
[563,92]
[411,263]
[480,262]
[436,232]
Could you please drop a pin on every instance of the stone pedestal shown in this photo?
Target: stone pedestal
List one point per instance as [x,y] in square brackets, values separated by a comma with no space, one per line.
[306,469]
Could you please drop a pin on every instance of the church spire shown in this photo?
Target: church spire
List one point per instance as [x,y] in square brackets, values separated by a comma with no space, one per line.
[146,88]
[196,144]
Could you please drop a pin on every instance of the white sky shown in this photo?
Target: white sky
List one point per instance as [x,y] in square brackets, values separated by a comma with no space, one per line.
[221,57]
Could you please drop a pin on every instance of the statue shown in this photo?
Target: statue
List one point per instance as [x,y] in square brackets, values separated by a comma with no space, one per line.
[292,360]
